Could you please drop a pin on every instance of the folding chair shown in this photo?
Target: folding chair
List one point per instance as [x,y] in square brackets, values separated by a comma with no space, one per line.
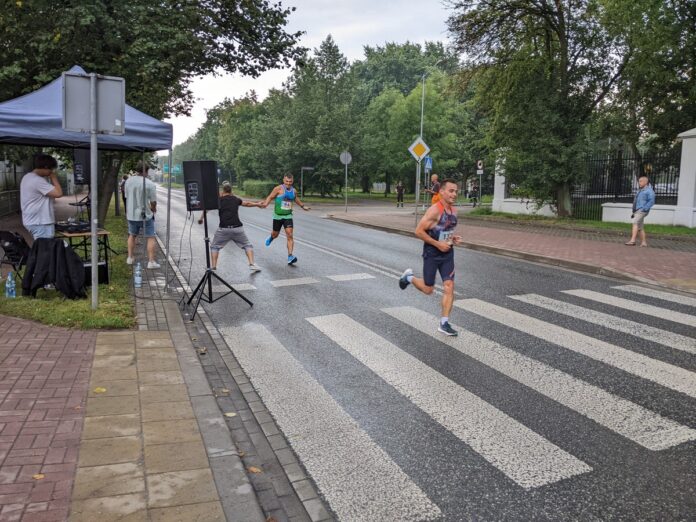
[15,250]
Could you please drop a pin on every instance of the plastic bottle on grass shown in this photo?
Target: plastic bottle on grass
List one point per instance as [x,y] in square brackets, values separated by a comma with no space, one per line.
[138,276]
[10,286]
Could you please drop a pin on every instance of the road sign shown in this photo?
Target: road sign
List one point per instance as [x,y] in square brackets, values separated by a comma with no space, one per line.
[479,165]
[479,172]
[428,163]
[345,158]
[419,149]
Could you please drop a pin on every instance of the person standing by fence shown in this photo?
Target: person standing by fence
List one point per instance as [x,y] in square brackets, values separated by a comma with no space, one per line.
[642,203]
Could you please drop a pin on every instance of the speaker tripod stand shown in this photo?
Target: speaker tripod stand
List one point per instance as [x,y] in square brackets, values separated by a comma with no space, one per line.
[206,282]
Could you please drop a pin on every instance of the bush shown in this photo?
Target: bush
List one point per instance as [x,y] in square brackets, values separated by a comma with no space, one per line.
[255,188]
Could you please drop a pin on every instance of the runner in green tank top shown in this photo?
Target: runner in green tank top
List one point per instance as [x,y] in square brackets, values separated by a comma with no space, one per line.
[284,197]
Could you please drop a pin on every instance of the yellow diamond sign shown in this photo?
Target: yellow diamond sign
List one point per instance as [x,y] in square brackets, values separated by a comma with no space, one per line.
[419,149]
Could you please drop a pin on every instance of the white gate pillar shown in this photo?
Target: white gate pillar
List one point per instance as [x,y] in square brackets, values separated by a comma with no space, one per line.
[685,212]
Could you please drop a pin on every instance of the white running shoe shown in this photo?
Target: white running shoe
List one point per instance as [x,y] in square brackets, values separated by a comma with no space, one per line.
[254,267]
[129,260]
[153,264]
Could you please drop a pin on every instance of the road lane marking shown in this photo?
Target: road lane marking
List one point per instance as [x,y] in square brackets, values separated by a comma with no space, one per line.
[358,479]
[524,456]
[626,418]
[635,306]
[665,296]
[279,283]
[644,331]
[662,373]
[240,287]
[350,277]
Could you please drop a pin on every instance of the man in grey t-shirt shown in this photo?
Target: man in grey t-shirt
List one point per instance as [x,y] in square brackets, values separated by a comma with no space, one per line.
[141,195]
[37,191]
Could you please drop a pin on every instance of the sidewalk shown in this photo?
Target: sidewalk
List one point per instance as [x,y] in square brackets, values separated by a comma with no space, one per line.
[158,424]
[670,263]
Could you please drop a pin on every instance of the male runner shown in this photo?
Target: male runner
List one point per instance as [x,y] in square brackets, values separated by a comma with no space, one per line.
[436,229]
[284,195]
[231,228]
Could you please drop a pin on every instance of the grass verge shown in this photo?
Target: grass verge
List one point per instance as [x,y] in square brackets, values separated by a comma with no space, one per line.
[116,308]
[577,224]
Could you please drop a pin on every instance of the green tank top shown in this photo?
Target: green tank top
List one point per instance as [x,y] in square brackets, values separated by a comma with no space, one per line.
[282,208]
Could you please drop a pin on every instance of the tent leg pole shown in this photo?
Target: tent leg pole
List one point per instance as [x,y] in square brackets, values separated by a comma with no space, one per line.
[169,213]
[94,215]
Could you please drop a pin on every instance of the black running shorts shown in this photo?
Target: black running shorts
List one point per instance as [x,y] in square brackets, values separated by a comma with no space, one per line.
[281,223]
[440,262]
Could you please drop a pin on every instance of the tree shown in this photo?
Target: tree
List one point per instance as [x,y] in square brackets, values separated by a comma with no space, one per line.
[542,70]
[655,99]
[158,47]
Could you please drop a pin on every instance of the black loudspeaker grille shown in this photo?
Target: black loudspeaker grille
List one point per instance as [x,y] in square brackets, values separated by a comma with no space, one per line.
[200,185]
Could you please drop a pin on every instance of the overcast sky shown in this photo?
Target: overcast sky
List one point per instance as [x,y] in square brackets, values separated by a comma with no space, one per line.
[352,23]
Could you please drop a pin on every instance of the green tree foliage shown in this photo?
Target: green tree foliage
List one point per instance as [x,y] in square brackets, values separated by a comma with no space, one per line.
[158,47]
[542,69]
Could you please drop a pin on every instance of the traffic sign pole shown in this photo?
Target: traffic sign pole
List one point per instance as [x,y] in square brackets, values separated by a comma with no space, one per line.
[418,176]
[346,158]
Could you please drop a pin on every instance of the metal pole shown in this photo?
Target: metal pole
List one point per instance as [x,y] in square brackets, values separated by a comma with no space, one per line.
[422,105]
[418,174]
[93,151]
[346,187]
[169,212]
[302,182]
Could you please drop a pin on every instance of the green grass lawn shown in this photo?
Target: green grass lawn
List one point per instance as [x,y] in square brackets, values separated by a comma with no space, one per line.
[582,224]
[116,307]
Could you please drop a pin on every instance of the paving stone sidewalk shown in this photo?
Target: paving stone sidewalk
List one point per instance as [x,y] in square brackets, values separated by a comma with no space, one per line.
[603,254]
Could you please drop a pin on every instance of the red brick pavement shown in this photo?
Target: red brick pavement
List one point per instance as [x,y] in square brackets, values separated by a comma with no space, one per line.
[44,377]
[665,267]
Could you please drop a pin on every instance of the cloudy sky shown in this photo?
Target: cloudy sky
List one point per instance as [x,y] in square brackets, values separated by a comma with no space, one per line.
[352,23]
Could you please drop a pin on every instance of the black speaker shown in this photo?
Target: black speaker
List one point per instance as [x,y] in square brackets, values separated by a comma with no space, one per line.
[102,273]
[82,166]
[200,185]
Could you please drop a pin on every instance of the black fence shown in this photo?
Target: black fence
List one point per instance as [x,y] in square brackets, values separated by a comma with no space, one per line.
[614,178]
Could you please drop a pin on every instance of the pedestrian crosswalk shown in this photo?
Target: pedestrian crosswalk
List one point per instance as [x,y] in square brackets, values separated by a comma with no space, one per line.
[361,481]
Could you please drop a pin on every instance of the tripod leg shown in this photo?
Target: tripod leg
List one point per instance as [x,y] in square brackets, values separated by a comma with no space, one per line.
[213,274]
[200,284]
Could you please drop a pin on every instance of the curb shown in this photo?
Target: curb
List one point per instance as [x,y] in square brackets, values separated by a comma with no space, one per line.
[534,258]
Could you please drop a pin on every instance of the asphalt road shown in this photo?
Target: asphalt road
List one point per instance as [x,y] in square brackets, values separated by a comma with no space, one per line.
[564,397]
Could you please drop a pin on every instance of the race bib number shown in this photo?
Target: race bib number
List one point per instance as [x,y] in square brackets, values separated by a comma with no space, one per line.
[286,205]
[446,236]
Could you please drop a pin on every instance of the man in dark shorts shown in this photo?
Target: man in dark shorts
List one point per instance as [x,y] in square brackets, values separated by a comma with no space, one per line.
[284,197]
[436,229]
[231,228]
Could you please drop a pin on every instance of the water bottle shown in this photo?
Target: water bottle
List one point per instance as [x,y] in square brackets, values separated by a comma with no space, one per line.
[138,278]
[10,286]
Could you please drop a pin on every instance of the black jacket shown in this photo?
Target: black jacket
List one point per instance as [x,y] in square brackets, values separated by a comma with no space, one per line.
[51,261]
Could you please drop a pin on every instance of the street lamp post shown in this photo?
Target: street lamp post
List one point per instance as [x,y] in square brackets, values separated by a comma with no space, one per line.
[302,169]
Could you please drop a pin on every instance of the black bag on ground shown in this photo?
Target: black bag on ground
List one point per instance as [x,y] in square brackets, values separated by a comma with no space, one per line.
[52,261]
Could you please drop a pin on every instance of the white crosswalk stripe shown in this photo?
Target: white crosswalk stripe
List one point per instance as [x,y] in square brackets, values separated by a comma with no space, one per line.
[658,294]
[662,373]
[358,479]
[643,331]
[240,287]
[278,283]
[635,306]
[624,417]
[523,455]
[350,277]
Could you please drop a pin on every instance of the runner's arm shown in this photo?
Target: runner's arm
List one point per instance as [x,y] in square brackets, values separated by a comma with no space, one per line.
[259,204]
[302,205]
[270,197]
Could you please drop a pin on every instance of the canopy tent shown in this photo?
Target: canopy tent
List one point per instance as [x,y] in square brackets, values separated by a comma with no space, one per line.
[37,119]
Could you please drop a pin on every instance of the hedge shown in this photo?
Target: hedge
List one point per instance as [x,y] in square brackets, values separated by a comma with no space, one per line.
[258,188]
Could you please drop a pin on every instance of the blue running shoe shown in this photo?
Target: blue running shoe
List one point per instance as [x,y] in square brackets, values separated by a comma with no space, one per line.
[268,240]
[292,260]
[403,280]
[447,330]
